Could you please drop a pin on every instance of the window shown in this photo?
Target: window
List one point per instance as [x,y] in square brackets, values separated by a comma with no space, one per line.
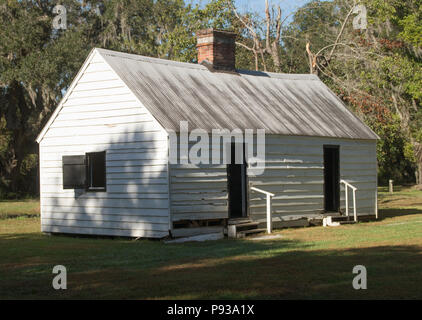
[96,171]
[85,171]
[74,171]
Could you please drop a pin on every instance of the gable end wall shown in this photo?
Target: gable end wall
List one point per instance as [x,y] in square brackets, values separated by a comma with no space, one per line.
[101,114]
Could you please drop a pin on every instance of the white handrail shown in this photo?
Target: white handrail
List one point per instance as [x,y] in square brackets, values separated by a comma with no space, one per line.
[263,191]
[346,198]
[348,184]
[269,217]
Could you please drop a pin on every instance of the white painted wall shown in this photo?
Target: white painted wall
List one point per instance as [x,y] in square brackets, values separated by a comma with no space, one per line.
[198,193]
[101,114]
[295,174]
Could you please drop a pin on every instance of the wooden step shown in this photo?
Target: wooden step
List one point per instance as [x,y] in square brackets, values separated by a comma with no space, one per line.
[236,226]
[341,218]
[248,225]
[347,222]
[246,233]
[239,221]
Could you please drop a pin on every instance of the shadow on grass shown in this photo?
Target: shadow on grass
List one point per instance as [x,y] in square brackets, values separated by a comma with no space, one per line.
[393,272]
[209,270]
[397,212]
[18,215]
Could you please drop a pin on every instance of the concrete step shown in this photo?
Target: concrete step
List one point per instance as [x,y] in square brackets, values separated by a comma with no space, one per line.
[247,233]
[335,221]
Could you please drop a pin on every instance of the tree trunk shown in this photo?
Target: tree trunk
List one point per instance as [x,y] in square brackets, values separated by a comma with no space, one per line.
[312,60]
[22,142]
[418,155]
[276,57]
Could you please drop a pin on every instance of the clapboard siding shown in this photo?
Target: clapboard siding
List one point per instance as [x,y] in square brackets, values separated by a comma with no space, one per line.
[198,192]
[145,193]
[103,217]
[119,147]
[101,114]
[294,172]
[194,197]
[154,212]
[98,230]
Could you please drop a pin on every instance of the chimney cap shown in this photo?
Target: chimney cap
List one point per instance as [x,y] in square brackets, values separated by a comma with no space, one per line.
[217,48]
[205,32]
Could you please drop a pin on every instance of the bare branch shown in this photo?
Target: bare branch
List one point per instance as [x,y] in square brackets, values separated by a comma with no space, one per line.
[244,46]
[268,21]
[246,25]
[278,25]
[311,58]
[340,34]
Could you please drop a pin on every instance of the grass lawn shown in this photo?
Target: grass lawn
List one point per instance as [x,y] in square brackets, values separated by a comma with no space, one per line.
[305,263]
[19,209]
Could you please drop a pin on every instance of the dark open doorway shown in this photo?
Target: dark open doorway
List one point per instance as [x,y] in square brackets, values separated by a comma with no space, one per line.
[331,178]
[237,183]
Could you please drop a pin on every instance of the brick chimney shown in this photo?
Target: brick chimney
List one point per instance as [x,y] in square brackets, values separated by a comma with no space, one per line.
[216,49]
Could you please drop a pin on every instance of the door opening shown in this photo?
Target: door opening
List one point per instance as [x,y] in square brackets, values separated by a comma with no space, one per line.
[237,182]
[331,179]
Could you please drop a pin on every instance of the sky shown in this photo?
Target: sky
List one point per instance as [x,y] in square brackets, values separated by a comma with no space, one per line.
[258,6]
[287,6]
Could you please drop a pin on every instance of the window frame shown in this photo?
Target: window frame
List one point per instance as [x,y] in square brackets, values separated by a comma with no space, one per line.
[88,173]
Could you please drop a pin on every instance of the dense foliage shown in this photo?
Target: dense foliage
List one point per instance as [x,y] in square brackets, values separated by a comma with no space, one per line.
[377,71]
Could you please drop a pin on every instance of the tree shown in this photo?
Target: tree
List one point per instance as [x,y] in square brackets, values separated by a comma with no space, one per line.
[38,62]
[263,36]
[376,71]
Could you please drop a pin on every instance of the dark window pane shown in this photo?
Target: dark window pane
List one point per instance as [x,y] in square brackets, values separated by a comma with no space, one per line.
[74,171]
[96,171]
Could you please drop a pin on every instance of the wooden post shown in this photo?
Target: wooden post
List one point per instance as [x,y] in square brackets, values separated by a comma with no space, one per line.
[269,209]
[376,203]
[269,217]
[346,199]
[354,205]
[390,186]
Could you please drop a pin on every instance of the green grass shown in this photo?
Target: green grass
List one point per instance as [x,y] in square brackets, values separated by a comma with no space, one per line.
[306,263]
[22,208]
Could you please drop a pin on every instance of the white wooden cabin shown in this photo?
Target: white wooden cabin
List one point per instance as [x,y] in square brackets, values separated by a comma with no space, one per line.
[104,153]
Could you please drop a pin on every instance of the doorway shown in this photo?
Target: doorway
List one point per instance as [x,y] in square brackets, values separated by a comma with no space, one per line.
[331,178]
[237,182]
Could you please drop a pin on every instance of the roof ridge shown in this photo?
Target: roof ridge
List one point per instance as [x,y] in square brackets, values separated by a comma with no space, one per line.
[138,57]
[249,99]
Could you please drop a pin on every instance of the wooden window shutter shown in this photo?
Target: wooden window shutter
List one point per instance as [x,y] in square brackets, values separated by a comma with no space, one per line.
[74,172]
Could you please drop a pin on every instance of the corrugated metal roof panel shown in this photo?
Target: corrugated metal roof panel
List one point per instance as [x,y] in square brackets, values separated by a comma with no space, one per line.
[288,104]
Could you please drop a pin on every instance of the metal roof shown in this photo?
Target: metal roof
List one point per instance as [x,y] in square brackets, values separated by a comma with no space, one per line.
[287,104]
